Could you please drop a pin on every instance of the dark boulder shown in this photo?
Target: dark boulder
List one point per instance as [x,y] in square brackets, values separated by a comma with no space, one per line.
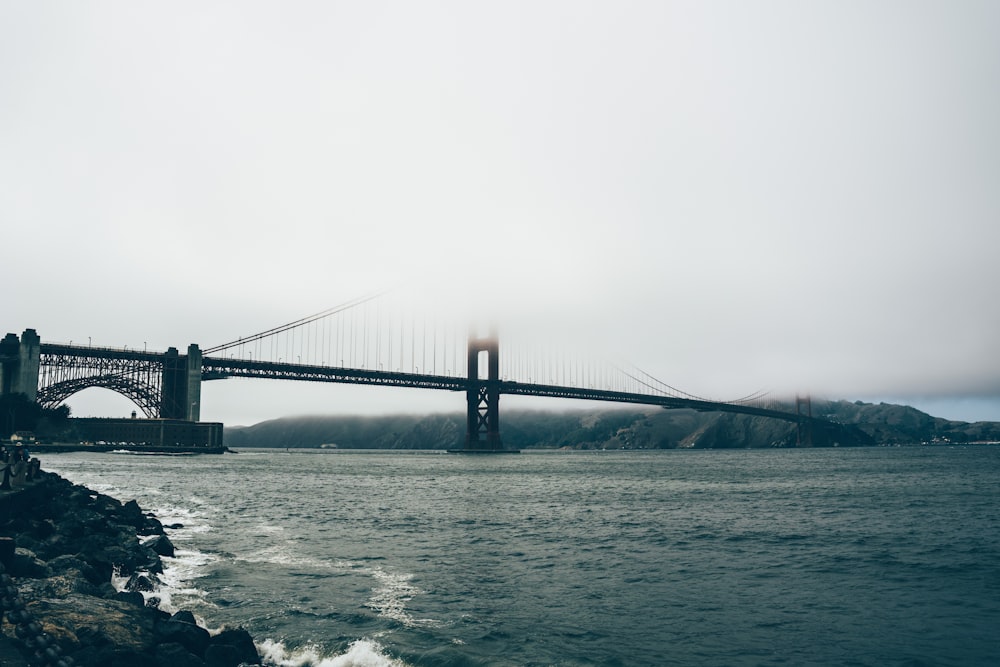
[222,656]
[241,644]
[152,526]
[26,564]
[7,546]
[67,582]
[141,583]
[80,622]
[110,656]
[132,514]
[161,545]
[184,616]
[66,562]
[185,632]
[131,597]
[176,655]
[107,505]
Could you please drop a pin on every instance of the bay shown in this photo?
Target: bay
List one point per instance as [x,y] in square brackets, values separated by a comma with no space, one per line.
[874,556]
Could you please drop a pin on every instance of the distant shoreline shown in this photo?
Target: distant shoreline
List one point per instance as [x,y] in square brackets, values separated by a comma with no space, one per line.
[60,447]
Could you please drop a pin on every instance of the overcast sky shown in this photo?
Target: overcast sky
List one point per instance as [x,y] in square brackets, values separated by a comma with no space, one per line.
[790,196]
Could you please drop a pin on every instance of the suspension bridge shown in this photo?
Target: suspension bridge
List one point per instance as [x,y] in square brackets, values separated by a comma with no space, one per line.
[367,341]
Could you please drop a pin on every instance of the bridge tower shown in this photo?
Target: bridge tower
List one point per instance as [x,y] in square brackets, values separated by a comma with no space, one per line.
[804,422]
[19,364]
[483,397]
[181,394]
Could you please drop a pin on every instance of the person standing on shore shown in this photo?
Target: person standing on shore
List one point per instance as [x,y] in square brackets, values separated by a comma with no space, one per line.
[4,469]
[19,466]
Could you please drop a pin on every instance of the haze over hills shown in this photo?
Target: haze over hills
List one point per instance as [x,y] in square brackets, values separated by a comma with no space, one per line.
[640,428]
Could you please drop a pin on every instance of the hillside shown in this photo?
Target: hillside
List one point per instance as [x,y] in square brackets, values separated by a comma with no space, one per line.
[640,428]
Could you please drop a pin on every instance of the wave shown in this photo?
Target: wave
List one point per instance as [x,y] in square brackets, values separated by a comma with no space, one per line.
[391,592]
[174,593]
[286,556]
[172,589]
[361,653]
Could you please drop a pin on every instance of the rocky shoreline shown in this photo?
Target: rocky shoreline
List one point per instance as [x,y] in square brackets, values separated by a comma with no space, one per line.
[60,546]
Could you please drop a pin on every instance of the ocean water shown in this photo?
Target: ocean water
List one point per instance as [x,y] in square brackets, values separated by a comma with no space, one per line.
[876,556]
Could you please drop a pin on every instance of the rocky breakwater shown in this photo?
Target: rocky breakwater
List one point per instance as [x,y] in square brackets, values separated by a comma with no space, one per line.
[60,547]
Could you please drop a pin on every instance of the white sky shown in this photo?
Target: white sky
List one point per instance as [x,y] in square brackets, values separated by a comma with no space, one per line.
[793,196]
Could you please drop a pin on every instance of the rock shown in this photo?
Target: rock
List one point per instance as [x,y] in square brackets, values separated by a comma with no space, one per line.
[111,656]
[222,656]
[161,545]
[132,597]
[141,583]
[107,591]
[175,655]
[26,564]
[9,655]
[59,586]
[27,540]
[95,622]
[132,514]
[6,551]
[188,634]
[108,556]
[241,644]
[184,616]
[152,526]
[66,563]
[107,505]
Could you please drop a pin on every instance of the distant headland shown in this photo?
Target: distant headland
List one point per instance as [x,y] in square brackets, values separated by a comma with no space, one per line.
[871,424]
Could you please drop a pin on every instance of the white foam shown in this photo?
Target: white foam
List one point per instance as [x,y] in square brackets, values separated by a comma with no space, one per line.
[104,489]
[186,565]
[283,554]
[161,593]
[268,529]
[361,653]
[389,598]
[192,521]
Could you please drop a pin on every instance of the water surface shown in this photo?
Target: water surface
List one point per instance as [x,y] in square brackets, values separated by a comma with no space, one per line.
[875,556]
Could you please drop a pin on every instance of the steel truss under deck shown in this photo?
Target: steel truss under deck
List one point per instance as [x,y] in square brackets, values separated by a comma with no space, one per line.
[65,370]
[215,368]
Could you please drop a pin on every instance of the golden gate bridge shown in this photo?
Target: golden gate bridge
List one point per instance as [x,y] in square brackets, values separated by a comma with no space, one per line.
[373,340]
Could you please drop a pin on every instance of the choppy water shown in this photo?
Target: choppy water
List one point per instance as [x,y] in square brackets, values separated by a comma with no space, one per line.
[778,557]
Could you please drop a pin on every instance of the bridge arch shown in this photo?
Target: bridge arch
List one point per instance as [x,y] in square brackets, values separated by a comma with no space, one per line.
[145,396]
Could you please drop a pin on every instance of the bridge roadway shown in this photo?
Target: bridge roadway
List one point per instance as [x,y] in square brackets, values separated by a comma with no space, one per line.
[68,350]
[216,368]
